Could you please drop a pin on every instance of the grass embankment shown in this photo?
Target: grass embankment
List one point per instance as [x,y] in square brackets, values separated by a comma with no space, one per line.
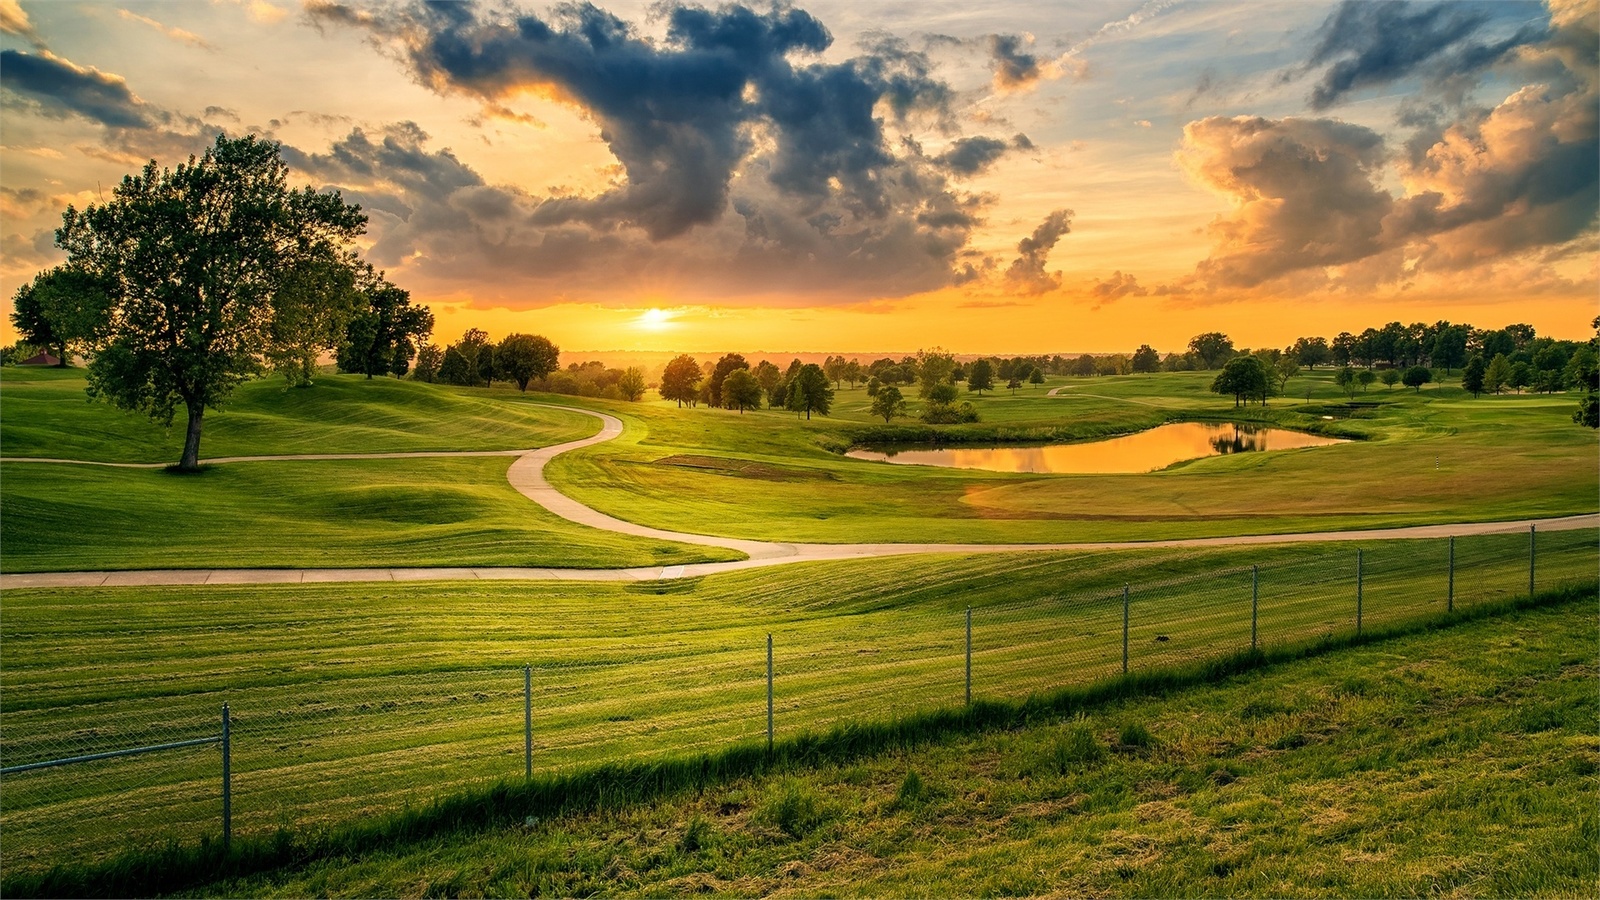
[409,512]
[1455,761]
[350,702]
[1438,455]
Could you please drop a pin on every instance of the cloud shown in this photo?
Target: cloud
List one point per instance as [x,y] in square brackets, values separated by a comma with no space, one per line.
[1116,287]
[14,20]
[61,88]
[177,34]
[1027,270]
[1370,44]
[1303,190]
[783,167]
[1014,68]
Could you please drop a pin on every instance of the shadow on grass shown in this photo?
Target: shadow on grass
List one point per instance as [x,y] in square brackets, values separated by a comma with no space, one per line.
[611,785]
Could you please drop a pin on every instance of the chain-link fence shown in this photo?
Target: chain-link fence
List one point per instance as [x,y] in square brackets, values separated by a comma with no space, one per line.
[317,748]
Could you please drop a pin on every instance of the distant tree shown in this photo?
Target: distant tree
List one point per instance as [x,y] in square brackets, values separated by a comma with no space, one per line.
[631,385]
[719,373]
[468,371]
[1036,376]
[741,391]
[1521,376]
[854,372]
[1417,376]
[1390,378]
[1213,348]
[888,403]
[809,392]
[1495,342]
[311,312]
[1450,346]
[981,377]
[455,369]
[1342,349]
[1498,375]
[768,376]
[1586,376]
[944,393]
[1114,364]
[1366,377]
[936,413]
[1176,362]
[1287,367]
[1580,369]
[934,366]
[1311,352]
[60,308]
[681,380]
[382,335]
[1012,384]
[524,357]
[874,386]
[1146,359]
[1473,377]
[835,367]
[1345,378]
[429,358]
[1245,377]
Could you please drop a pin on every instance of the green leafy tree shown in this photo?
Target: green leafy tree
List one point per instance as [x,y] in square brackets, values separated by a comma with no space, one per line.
[466,367]
[1212,348]
[1311,352]
[1287,366]
[429,358]
[934,367]
[1036,377]
[741,391]
[1146,360]
[1390,378]
[1521,376]
[1498,375]
[873,386]
[1417,376]
[1245,377]
[980,377]
[1365,378]
[1474,376]
[310,315]
[59,309]
[191,259]
[521,358]
[768,376]
[631,385]
[382,336]
[1450,346]
[888,403]
[809,391]
[681,380]
[1345,378]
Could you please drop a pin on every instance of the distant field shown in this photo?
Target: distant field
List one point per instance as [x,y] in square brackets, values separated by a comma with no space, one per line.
[352,700]
[1437,456]
[1455,763]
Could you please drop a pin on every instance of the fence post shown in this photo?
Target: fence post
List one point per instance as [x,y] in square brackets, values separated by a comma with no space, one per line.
[1255,601]
[527,721]
[1530,560]
[1450,597]
[1358,593]
[1124,629]
[769,693]
[227,780]
[969,656]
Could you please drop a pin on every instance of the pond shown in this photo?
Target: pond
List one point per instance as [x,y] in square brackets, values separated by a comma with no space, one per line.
[1144,451]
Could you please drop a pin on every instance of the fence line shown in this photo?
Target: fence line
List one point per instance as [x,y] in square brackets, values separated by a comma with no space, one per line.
[320,752]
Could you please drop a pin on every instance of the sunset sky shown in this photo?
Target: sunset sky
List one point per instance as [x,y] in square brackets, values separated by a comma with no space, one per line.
[997,177]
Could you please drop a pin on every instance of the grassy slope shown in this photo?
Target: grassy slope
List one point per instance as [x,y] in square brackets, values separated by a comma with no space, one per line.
[1460,762]
[313,672]
[1435,456]
[419,512]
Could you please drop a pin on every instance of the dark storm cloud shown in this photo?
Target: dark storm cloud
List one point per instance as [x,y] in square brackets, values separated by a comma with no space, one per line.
[61,88]
[1371,44]
[1013,67]
[1027,270]
[974,155]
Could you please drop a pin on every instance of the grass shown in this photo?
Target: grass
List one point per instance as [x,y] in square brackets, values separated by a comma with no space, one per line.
[353,701]
[1457,761]
[1438,455]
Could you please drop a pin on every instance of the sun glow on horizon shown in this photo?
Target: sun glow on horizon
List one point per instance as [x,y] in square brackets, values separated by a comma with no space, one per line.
[654,319]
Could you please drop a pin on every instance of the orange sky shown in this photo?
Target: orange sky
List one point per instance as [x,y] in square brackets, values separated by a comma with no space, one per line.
[1027,177]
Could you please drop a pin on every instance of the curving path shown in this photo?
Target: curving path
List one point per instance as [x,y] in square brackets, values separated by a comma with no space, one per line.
[526,475]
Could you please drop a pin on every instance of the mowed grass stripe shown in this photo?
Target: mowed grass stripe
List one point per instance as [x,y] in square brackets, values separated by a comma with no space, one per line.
[341,734]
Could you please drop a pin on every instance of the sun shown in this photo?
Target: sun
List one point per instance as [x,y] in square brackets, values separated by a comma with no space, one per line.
[653,319]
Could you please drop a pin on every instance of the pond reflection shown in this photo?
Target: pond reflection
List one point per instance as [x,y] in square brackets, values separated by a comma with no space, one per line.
[1145,451]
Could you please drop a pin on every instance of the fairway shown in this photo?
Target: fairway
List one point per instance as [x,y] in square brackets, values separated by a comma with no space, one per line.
[349,701]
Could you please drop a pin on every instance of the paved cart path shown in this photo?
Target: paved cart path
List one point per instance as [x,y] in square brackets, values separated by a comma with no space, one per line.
[526,475]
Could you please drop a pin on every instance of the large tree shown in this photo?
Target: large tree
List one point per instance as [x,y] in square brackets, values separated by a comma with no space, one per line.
[719,373]
[741,391]
[681,380]
[1245,377]
[1212,348]
[191,259]
[934,367]
[524,357]
[382,336]
[1146,360]
[311,314]
[59,309]
[809,391]
[981,377]
[631,384]
[888,403]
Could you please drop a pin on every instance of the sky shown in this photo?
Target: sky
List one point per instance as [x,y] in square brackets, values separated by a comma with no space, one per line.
[839,175]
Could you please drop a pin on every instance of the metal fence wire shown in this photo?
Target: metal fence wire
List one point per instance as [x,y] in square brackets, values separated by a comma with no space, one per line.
[317,748]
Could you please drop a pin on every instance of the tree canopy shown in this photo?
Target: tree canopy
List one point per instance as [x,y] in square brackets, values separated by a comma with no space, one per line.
[523,357]
[191,260]
[809,391]
[1245,377]
[741,390]
[681,380]
[888,402]
[981,377]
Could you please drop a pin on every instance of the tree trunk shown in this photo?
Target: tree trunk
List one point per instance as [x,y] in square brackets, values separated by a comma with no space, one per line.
[191,440]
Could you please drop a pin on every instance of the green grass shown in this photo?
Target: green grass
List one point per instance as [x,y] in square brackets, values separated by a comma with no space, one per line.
[1433,456]
[45,413]
[403,512]
[353,701]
